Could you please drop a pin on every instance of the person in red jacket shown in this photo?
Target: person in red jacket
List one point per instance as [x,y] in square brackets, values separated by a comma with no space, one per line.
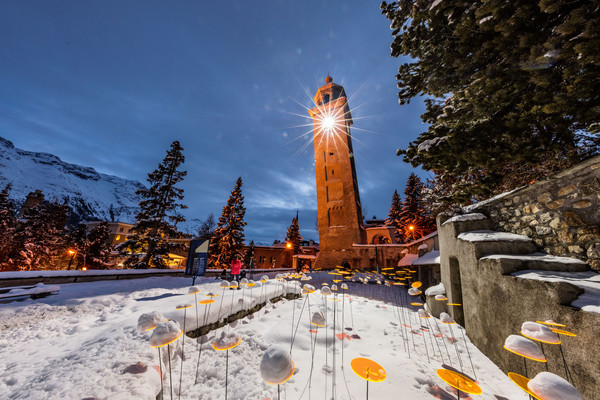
[236,267]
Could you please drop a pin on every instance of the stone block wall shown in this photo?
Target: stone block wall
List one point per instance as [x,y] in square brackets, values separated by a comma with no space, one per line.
[561,214]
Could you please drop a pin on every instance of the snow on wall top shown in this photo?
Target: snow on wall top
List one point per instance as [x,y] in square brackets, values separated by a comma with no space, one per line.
[88,192]
[589,281]
[489,236]
[433,257]
[535,257]
[436,290]
[465,217]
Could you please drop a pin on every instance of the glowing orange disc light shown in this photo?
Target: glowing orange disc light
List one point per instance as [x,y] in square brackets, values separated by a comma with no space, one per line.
[523,355]
[551,323]
[416,304]
[454,304]
[521,382]
[416,284]
[212,295]
[563,332]
[207,301]
[459,381]
[216,346]
[540,340]
[368,369]
[169,342]
[183,306]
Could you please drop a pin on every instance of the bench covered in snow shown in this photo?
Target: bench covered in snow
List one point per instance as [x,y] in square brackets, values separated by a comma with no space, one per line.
[19,293]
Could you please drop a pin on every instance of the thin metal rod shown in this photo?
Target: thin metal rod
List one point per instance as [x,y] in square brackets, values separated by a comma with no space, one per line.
[182,351]
[567,372]
[161,373]
[468,352]
[226,371]
[170,376]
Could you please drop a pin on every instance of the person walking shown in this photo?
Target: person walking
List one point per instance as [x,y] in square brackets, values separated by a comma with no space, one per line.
[236,267]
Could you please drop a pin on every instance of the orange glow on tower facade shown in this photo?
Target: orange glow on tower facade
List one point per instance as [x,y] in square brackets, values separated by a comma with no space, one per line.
[338,201]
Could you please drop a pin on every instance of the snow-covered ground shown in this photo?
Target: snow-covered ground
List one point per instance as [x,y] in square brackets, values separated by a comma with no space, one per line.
[83,343]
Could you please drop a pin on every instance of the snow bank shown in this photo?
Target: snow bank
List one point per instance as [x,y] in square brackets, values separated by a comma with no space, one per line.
[465,217]
[549,386]
[492,236]
[589,281]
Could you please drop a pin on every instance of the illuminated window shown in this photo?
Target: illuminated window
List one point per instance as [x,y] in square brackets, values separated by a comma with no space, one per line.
[118,237]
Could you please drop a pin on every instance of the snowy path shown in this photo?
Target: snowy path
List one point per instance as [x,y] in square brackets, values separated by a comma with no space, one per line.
[77,345]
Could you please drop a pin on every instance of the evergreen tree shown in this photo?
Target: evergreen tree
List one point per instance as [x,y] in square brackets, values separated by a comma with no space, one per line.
[41,238]
[8,226]
[512,88]
[414,221]
[92,248]
[394,216]
[293,235]
[228,237]
[207,227]
[157,221]
[293,238]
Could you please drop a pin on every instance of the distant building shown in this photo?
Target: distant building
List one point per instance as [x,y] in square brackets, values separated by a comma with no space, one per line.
[278,255]
[120,232]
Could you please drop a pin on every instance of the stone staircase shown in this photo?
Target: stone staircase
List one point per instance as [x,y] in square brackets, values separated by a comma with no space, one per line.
[478,268]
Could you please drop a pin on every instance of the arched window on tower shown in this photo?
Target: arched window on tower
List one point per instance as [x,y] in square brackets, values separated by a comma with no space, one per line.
[326,98]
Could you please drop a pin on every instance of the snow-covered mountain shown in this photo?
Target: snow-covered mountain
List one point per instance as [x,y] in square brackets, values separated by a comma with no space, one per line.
[89,194]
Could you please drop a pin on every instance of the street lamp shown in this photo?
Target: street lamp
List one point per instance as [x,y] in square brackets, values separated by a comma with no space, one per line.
[72,254]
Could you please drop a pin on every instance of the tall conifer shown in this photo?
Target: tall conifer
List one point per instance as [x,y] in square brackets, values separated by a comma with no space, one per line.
[414,220]
[157,221]
[394,217]
[228,237]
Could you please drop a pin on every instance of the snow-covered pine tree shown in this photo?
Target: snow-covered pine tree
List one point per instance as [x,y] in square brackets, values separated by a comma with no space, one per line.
[228,237]
[157,221]
[511,88]
[41,237]
[95,245]
[394,217]
[414,221]
[8,226]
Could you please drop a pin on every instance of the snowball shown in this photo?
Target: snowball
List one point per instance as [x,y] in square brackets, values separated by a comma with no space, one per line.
[149,321]
[318,319]
[524,347]
[244,282]
[446,318]
[435,290]
[226,340]
[233,285]
[548,386]
[423,313]
[264,278]
[539,332]
[440,297]
[183,305]
[344,286]
[414,291]
[325,291]
[276,366]
[165,333]
[224,284]
[334,287]
[193,289]
[210,294]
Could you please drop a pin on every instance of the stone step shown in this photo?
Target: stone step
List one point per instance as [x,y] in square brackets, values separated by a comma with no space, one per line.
[536,261]
[486,242]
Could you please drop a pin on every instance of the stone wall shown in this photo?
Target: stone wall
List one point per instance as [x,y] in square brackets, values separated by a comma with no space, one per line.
[477,273]
[561,214]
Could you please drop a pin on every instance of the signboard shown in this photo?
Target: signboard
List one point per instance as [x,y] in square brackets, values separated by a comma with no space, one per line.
[197,258]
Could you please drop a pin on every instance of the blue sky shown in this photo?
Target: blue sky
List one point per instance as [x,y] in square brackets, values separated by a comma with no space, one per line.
[110,84]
